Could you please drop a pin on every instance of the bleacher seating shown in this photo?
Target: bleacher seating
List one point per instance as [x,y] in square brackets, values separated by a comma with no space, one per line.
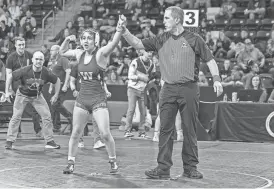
[236,24]
[40,8]
[253,24]
[267,24]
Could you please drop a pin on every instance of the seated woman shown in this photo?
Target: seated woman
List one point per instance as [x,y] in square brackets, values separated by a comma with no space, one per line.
[256,84]
[114,79]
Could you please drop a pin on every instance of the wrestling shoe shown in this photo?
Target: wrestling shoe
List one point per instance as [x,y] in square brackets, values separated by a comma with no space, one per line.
[8,145]
[193,174]
[99,144]
[113,166]
[128,134]
[70,167]
[156,136]
[52,145]
[158,173]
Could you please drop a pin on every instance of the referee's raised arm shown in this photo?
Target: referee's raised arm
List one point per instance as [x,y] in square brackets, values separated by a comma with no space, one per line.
[132,40]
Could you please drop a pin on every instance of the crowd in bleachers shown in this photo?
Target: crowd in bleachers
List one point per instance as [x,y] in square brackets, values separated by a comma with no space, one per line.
[239,33]
[21,18]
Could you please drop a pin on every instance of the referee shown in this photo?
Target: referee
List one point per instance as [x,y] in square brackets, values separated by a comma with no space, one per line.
[179,52]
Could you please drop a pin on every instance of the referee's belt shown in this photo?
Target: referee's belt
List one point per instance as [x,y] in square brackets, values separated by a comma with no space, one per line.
[185,83]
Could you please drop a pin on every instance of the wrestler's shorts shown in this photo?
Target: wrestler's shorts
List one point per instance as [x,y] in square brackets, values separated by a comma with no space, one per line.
[92,103]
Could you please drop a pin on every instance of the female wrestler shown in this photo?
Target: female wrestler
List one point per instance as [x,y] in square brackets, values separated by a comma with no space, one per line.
[92,61]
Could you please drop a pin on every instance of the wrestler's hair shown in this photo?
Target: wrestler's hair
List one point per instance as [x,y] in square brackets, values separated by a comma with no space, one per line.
[93,33]
[177,12]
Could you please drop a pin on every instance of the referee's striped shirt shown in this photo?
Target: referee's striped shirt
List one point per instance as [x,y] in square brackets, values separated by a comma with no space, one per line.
[179,56]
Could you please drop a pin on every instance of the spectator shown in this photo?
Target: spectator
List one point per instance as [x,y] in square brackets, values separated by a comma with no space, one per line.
[28,25]
[222,46]
[80,23]
[65,34]
[270,46]
[161,5]
[71,30]
[227,10]
[122,71]
[102,11]
[139,9]
[14,11]
[256,84]
[110,27]
[114,79]
[3,15]
[96,24]
[225,69]
[146,30]
[2,73]
[132,4]
[4,30]
[187,4]
[24,7]
[202,3]
[3,4]
[130,51]
[271,97]
[255,8]
[46,53]
[238,45]
[6,47]
[234,79]
[254,70]
[250,53]
[202,79]
[13,27]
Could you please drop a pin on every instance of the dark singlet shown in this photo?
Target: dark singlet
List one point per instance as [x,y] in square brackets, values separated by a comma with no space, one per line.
[91,76]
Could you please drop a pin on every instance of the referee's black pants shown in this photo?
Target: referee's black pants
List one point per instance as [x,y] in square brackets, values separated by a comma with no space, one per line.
[184,97]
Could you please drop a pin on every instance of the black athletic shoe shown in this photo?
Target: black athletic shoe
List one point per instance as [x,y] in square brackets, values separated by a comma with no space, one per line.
[8,145]
[70,168]
[193,174]
[113,166]
[52,145]
[157,173]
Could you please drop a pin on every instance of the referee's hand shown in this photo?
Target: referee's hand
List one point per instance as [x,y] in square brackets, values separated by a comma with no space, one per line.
[218,88]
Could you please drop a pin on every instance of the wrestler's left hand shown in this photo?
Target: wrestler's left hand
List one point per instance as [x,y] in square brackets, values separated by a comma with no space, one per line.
[53,99]
[218,88]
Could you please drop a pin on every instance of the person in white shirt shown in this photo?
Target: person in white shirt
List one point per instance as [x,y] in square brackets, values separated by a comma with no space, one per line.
[138,77]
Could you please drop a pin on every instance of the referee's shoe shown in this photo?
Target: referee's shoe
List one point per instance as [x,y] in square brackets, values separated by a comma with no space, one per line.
[158,173]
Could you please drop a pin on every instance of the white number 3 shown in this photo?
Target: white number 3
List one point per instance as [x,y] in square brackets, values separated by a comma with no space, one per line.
[191,18]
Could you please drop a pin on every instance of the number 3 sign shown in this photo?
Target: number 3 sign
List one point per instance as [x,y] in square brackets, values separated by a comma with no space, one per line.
[191,18]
